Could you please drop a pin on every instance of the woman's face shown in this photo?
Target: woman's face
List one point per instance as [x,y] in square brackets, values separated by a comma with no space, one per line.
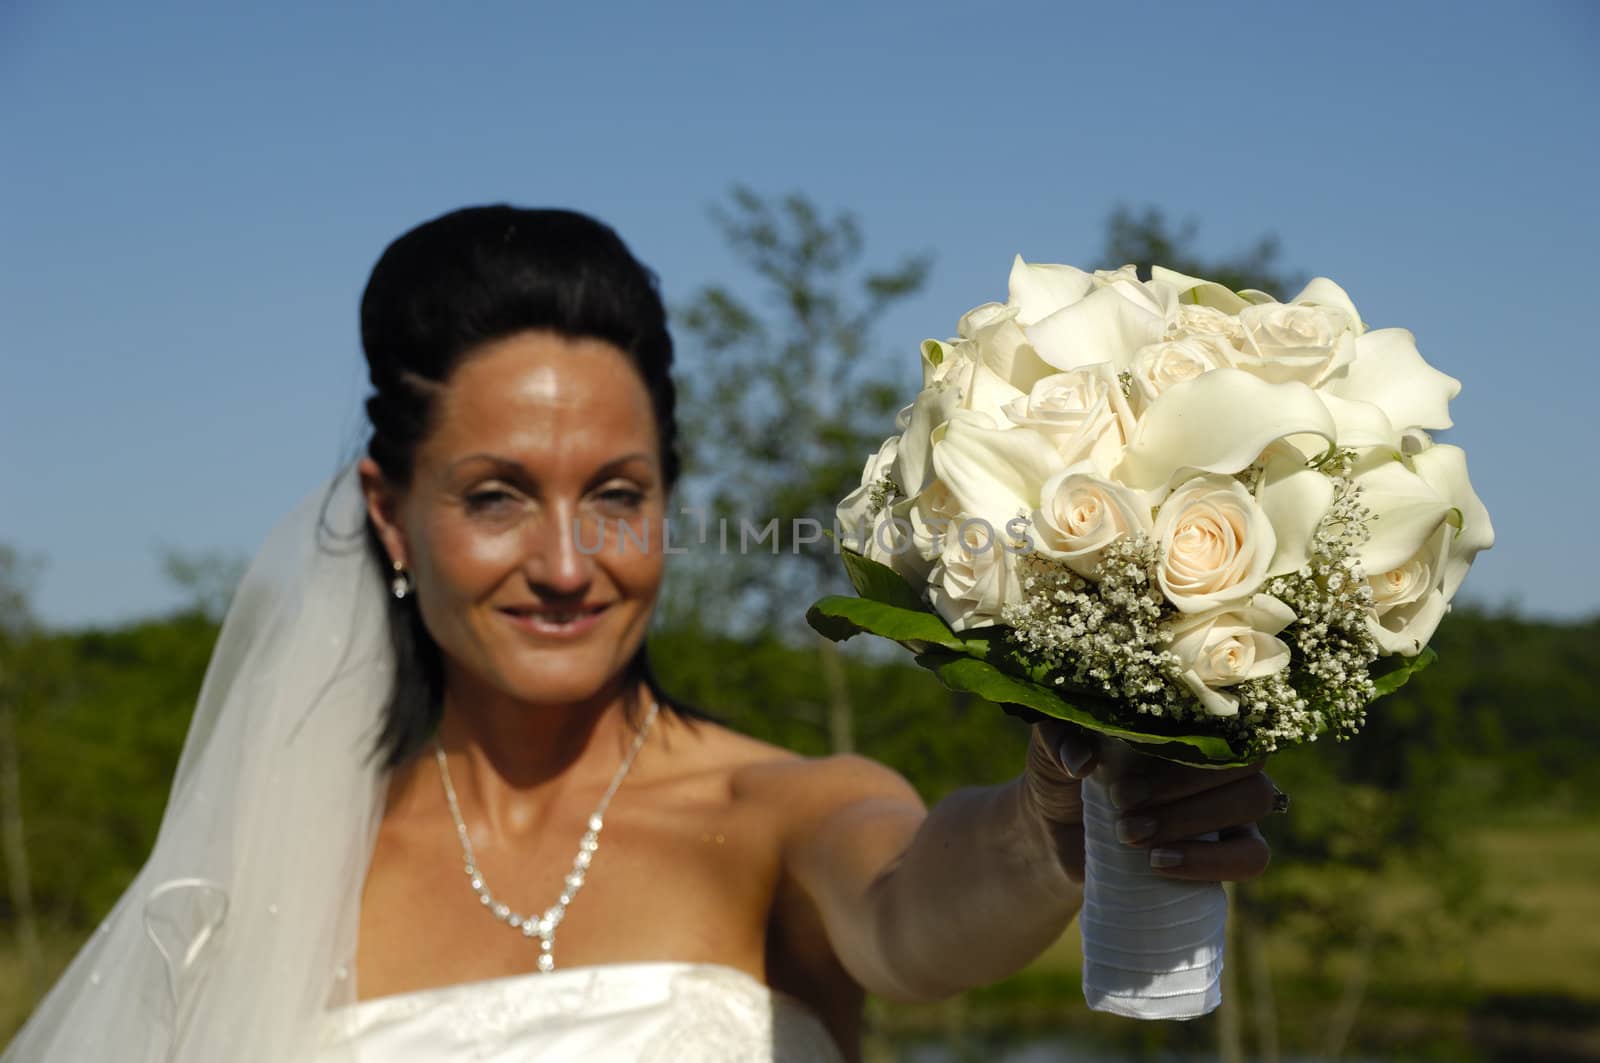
[541,443]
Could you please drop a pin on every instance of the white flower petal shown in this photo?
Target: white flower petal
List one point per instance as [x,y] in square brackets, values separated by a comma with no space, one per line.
[913,463]
[993,473]
[1444,468]
[1360,424]
[1406,629]
[1389,373]
[1101,327]
[1220,421]
[1199,291]
[1324,292]
[1215,702]
[1295,499]
[1038,290]
[1406,511]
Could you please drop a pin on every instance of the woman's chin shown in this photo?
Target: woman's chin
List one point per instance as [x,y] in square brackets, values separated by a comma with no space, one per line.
[560,683]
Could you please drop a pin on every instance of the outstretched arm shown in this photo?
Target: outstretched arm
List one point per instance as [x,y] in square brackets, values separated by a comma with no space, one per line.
[919,905]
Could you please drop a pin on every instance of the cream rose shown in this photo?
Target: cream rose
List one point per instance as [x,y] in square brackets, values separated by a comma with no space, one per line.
[1158,366]
[1295,342]
[1083,413]
[1216,544]
[1081,513]
[1223,647]
[976,575]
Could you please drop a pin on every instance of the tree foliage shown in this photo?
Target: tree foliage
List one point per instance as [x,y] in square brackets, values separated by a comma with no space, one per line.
[783,398]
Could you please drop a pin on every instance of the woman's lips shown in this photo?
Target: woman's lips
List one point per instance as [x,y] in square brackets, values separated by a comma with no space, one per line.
[554,623]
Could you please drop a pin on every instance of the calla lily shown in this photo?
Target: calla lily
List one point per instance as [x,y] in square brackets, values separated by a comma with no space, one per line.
[1220,421]
[1003,347]
[1038,290]
[1101,327]
[1444,468]
[913,462]
[993,473]
[1199,291]
[987,393]
[1295,498]
[1406,511]
[1360,424]
[1389,373]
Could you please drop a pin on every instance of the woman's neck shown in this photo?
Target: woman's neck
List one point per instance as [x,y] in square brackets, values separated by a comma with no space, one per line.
[511,761]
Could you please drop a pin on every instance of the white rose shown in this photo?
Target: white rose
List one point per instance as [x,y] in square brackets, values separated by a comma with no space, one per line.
[857,512]
[976,575]
[1226,646]
[1295,342]
[1083,413]
[1158,366]
[1216,544]
[1193,320]
[1081,513]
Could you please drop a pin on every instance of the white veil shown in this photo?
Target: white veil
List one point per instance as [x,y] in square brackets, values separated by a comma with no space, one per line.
[240,930]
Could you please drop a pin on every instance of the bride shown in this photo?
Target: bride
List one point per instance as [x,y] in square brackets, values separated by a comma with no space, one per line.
[434,804]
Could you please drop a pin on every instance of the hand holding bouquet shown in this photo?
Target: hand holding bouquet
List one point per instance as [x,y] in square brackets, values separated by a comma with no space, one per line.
[1201,521]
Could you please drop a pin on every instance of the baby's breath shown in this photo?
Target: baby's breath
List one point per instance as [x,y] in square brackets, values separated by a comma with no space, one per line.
[1107,635]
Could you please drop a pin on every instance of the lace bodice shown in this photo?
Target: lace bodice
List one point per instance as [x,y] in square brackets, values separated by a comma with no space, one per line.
[630,1012]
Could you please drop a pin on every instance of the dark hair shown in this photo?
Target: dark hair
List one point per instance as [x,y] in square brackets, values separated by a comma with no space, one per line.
[440,292]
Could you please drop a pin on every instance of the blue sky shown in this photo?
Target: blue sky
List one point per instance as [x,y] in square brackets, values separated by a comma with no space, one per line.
[191,195]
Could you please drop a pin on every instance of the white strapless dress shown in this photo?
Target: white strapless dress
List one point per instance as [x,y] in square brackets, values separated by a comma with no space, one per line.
[630,1012]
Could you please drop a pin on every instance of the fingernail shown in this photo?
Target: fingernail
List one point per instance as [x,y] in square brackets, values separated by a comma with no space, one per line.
[1134,829]
[1166,857]
[1075,756]
[1129,792]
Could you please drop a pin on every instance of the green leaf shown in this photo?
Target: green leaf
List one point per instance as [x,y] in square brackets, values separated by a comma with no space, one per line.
[839,617]
[1392,673]
[989,682]
[984,662]
[879,582]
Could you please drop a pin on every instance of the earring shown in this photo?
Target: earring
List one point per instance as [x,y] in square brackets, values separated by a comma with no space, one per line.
[401,585]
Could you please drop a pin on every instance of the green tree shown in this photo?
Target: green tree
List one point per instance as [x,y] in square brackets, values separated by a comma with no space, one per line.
[784,404]
[1147,238]
[17,631]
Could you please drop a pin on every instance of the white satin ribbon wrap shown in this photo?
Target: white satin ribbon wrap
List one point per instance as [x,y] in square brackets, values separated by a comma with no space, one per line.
[240,930]
[1152,945]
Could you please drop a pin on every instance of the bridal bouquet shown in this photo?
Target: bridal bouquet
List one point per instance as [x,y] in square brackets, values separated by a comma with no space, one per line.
[1201,521]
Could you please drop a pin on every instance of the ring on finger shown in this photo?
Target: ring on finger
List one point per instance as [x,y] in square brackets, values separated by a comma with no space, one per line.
[1280,800]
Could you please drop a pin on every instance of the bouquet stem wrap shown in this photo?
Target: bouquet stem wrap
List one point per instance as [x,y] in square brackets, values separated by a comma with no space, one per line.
[1152,946]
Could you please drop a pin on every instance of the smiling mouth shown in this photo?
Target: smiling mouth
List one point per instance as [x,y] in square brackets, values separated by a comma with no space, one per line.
[559,622]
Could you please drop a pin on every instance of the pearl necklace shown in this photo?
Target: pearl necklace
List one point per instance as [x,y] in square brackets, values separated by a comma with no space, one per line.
[543,927]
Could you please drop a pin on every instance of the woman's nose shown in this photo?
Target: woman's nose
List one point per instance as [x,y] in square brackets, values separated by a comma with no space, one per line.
[555,563]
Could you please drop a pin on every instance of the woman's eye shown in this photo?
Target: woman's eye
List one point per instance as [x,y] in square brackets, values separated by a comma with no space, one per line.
[489,500]
[623,497]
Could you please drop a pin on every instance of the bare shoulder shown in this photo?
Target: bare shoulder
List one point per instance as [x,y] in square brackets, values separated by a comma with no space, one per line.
[803,788]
